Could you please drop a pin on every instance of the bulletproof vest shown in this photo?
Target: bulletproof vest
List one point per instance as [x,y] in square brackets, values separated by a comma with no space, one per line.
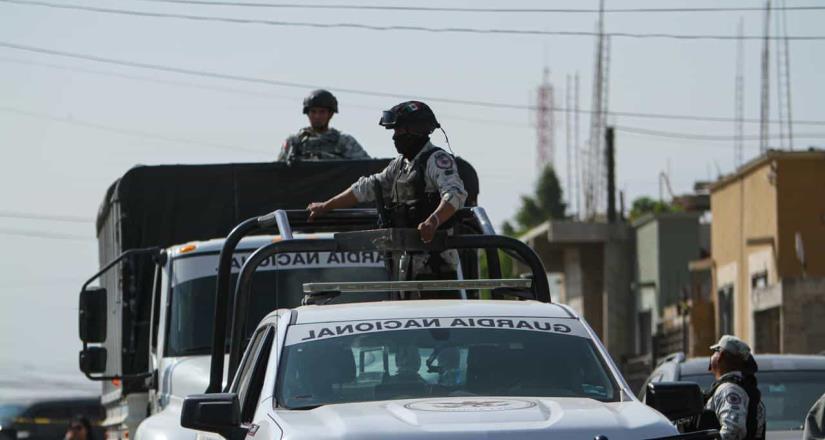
[410,203]
[324,146]
[754,398]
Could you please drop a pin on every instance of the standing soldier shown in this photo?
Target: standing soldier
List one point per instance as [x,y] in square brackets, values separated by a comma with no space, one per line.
[734,396]
[319,141]
[422,184]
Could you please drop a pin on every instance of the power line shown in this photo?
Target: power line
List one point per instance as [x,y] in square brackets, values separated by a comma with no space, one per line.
[51,217]
[305,86]
[373,27]
[474,10]
[706,137]
[127,132]
[44,234]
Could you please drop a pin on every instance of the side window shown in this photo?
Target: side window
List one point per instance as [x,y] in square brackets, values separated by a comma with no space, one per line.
[252,372]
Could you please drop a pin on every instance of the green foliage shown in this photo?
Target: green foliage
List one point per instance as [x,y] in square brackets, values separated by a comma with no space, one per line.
[545,204]
[646,205]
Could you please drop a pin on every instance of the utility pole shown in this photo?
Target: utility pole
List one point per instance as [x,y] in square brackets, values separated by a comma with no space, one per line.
[577,145]
[545,129]
[610,160]
[568,95]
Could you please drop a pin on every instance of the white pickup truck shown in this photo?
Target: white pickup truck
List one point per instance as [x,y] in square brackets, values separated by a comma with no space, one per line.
[430,369]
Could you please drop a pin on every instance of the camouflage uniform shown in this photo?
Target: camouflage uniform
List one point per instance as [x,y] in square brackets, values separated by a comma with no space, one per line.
[730,404]
[397,180]
[329,145]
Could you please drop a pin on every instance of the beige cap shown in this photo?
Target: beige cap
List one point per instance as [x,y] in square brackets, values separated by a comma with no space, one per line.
[732,345]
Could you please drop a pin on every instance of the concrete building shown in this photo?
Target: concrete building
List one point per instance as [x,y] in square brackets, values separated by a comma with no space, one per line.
[768,249]
[594,264]
[663,286]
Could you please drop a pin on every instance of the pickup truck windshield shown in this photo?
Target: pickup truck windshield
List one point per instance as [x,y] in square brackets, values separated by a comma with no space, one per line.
[356,361]
[277,284]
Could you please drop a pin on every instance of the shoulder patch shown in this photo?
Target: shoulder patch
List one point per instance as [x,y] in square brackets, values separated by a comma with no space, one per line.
[733,399]
[443,161]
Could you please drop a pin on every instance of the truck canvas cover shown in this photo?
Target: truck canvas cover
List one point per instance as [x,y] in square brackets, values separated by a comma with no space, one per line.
[172,204]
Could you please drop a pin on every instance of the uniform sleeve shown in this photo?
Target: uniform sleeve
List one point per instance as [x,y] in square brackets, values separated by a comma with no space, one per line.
[284,153]
[730,403]
[442,173]
[364,189]
[352,148]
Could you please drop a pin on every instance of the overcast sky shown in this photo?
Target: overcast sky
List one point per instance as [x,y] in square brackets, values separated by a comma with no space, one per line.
[70,127]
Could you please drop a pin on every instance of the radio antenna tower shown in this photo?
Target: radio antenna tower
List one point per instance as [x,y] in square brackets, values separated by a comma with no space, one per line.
[783,79]
[766,86]
[738,143]
[568,112]
[577,146]
[545,128]
[594,157]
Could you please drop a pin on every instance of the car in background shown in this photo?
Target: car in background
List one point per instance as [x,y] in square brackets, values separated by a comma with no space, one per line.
[790,384]
[47,419]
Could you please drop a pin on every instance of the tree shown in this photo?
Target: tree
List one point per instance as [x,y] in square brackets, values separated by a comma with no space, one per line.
[646,205]
[546,204]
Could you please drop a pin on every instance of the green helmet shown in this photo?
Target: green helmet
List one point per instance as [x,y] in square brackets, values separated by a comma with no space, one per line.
[321,98]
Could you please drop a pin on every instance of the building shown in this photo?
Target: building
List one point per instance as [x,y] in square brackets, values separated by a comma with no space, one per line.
[666,300]
[594,263]
[768,250]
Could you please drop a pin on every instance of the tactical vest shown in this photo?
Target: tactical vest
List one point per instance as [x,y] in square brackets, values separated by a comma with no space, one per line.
[754,398]
[326,146]
[410,203]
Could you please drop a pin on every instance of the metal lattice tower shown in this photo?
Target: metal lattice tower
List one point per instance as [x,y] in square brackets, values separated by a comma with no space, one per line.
[545,127]
[568,97]
[764,113]
[738,143]
[594,160]
[783,80]
[577,146]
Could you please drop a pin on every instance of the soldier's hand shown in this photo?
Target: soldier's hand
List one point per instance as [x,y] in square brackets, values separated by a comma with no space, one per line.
[317,210]
[427,228]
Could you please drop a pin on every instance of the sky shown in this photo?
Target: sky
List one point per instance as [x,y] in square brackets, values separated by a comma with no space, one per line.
[70,127]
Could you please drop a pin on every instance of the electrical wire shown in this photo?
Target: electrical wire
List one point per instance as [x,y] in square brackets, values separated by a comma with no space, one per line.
[51,217]
[44,234]
[707,137]
[305,86]
[475,10]
[372,27]
[128,132]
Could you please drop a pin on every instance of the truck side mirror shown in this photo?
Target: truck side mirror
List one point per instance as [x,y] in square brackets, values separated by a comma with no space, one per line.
[218,412]
[92,315]
[93,360]
[676,400]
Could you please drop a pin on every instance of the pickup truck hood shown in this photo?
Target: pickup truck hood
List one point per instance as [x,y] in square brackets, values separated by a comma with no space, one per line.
[491,418]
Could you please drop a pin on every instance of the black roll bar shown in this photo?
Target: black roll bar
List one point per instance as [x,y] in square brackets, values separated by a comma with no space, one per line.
[386,240]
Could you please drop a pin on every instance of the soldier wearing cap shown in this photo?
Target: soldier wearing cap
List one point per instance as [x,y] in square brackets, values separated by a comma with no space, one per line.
[319,141]
[734,397]
[421,185]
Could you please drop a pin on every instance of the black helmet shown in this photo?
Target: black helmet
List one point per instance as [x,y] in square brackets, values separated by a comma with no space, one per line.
[321,98]
[413,115]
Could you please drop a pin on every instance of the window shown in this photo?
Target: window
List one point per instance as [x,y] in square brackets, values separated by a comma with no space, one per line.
[244,376]
[759,280]
[726,309]
[437,362]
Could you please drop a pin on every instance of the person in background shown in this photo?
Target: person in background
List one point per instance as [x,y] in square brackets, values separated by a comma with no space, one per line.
[79,429]
[815,422]
[319,141]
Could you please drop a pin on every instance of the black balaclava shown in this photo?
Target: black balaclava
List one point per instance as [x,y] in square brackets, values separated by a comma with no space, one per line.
[409,144]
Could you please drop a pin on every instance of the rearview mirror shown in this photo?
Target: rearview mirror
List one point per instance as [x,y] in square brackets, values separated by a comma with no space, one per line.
[676,400]
[93,360]
[92,315]
[219,413]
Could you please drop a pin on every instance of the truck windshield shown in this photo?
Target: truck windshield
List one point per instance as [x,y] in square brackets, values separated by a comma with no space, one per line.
[277,284]
[356,361]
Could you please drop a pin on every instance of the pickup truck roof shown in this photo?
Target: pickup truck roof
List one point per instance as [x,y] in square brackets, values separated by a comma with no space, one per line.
[427,309]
